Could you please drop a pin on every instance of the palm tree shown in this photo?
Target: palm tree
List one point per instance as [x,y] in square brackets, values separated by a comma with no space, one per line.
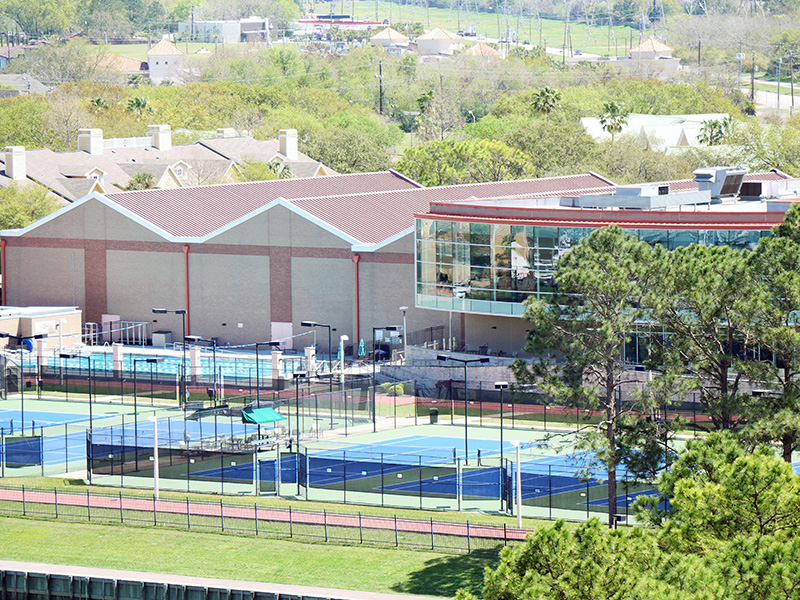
[613,119]
[545,100]
[140,105]
[141,181]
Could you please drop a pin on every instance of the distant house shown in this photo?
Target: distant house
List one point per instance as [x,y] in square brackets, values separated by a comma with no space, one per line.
[484,50]
[125,65]
[108,165]
[243,149]
[438,41]
[389,37]
[659,133]
[651,49]
[23,84]
[165,62]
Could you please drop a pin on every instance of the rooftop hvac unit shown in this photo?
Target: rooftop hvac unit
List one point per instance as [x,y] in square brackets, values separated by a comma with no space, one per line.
[720,181]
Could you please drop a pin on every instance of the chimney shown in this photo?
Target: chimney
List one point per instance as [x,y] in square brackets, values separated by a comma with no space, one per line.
[90,140]
[161,136]
[226,132]
[15,162]
[288,143]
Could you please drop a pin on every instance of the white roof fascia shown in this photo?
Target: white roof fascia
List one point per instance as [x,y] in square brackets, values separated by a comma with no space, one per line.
[291,207]
[380,245]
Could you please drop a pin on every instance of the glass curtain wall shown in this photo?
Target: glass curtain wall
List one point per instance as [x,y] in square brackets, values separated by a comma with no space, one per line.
[491,268]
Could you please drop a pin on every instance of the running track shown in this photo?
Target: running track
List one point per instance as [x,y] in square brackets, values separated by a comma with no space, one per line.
[252,513]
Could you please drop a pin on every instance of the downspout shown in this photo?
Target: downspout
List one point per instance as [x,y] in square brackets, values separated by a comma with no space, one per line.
[186,284]
[4,274]
[356,258]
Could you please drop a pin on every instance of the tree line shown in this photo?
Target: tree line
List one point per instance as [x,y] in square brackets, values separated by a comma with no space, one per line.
[715,320]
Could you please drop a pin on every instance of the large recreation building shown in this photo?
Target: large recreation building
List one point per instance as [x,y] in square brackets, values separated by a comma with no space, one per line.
[249,262]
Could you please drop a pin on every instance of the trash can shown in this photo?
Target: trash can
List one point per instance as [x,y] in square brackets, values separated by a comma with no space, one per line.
[484,350]
[434,414]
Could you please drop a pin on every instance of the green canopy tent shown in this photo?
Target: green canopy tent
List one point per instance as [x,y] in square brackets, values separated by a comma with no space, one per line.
[262,416]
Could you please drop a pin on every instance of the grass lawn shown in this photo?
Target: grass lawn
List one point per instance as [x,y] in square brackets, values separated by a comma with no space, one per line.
[139,51]
[588,39]
[269,560]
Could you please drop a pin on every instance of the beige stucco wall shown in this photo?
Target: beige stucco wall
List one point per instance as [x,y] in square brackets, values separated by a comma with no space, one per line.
[227,290]
[43,276]
[137,282]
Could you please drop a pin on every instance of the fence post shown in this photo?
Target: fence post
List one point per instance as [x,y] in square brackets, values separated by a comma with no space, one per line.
[344,477]
[550,492]
[121,516]
[396,541]
[432,547]
[66,450]
[325,523]
[88,506]
[23,500]
[360,530]
[155,512]
[188,521]
[255,516]
[468,544]
[505,535]
[55,495]
[221,516]
[290,521]
[419,476]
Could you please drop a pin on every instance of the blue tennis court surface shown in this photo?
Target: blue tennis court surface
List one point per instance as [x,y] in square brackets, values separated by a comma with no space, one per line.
[42,419]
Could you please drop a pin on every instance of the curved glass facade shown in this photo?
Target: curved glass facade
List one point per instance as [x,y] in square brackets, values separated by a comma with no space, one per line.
[491,268]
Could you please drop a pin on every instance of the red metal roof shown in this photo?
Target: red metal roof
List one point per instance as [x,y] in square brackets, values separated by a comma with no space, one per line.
[198,211]
[368,207]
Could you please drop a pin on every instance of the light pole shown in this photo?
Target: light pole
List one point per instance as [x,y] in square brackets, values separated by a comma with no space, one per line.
[89,363]
[297,375]
[182,313]
[501,385]
[516,445]
[154,421]
[330,348]
[405,334]
[465,362]
[135,408]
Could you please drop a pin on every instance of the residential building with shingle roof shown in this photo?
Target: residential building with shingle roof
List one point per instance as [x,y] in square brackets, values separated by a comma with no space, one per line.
[111,164]
[389,37]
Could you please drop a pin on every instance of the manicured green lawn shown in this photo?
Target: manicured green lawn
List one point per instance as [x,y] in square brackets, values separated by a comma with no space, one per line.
[214,555]
[139,51]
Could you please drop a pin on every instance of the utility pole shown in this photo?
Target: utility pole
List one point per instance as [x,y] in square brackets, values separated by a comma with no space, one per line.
[780,60]
[380,86]
[753,80]
[699,45]
[791,81]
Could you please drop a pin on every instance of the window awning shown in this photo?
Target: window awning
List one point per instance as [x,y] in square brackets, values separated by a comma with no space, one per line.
[261,416]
